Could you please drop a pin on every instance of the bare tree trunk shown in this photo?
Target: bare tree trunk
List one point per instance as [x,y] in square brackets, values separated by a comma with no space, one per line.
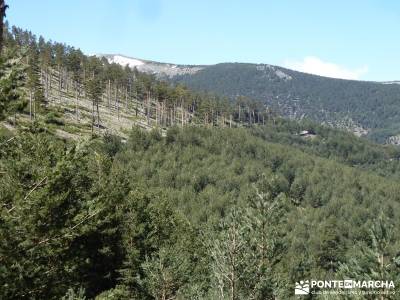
[76,103]
[34,108]
[181,114]
[126,97]
[66,81]
[156,116]
[59,84]
[109,95]
[98,114]
[232,275]
[30,105]
[93,119]
[115,95]
[173,119]
[131,100]
[50,79]
[162,113]
[44,81]
[175,114]
[84,80]
[148,108]
[117,99]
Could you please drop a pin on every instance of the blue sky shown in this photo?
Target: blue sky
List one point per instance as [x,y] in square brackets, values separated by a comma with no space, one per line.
[356,39]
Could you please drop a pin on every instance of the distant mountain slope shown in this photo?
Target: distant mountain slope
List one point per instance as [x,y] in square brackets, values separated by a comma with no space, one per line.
[369,109]
[366,108]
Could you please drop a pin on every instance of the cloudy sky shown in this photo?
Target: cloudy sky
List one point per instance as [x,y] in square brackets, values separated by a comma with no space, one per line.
[356,39]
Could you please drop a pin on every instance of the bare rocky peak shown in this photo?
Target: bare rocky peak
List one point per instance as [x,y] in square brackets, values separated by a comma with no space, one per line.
[152,67]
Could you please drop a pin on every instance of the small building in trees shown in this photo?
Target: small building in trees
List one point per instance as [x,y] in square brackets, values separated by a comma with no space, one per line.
[307,133]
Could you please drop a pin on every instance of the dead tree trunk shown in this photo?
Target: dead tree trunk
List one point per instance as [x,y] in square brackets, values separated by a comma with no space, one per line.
[157,105]
[93,119]
[148,108]
[76,103]
[117,99]
[182,114]
[34,107]
[30,105]
[98,114]
[126,97]
[59,84]
[50,79]
[109,95]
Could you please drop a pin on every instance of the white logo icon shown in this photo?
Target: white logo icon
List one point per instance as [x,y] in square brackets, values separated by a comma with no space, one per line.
[302,288]
[348,284]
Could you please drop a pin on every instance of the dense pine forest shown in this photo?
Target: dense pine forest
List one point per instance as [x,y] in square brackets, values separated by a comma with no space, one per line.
[367,108]
[115,185]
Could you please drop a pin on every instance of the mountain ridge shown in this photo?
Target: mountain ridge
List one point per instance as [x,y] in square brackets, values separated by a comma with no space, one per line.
[366,108]
[153,67]
[110,57]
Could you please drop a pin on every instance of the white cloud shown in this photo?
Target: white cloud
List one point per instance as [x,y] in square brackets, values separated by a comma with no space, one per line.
[314,65]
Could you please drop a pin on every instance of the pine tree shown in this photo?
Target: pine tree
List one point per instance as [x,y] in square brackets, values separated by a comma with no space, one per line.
[266,210]
[3,8]
[379,260]
[11,87]
[34,84]
[94,87]
[227,250]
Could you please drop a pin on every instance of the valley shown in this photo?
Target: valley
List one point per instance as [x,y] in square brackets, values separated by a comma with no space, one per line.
[123,178]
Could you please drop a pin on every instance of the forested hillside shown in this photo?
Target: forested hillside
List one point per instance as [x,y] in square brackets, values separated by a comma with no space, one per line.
[74,93]
[116,185]
[367,108]
[198,214]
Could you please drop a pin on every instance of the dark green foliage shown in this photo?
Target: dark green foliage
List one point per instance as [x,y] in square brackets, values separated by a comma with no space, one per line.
[11,82]
[53,118]
[33,75]
[376,258]
[333,144]
[204,212]
[372,105]
[50,214]
[153,217]
[203,172]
